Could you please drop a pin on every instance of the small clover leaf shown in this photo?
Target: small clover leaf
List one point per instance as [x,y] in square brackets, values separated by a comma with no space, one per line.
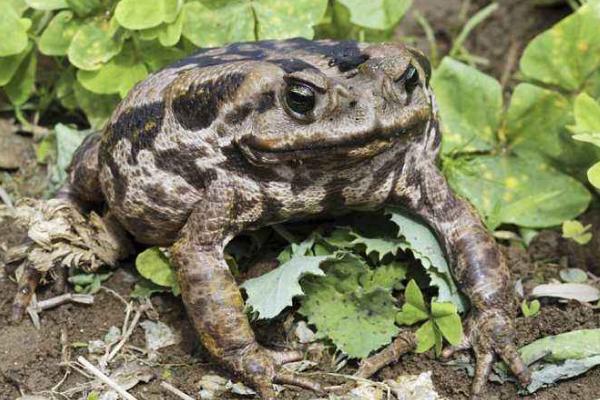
[530,309]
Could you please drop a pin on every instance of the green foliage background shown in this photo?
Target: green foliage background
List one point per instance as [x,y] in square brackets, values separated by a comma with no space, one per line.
[89,53]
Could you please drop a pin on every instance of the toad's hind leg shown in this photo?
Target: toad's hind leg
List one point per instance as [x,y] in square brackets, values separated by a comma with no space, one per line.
[215,305]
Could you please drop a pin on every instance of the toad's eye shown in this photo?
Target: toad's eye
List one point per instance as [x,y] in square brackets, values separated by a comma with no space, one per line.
[410,78]
[300,97]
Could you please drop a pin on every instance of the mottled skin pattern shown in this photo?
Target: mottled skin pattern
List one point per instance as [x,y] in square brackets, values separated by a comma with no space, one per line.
[212,146]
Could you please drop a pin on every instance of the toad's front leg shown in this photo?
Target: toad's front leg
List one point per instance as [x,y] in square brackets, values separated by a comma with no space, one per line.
[216,307]
[477,265]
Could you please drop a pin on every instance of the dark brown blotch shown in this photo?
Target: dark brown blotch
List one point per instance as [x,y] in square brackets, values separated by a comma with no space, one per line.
[199,105]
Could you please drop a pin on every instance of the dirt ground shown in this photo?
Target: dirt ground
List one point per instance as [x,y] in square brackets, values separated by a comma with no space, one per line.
[30,358]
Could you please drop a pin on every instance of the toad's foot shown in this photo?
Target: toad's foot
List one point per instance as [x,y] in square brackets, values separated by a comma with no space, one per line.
[59,235]
[262,367]
[490,333]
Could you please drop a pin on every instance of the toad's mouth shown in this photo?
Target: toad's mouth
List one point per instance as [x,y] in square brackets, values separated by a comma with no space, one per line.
[358,147]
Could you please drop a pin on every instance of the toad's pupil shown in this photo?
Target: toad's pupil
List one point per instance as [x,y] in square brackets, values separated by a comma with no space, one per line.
[410,78]
[300,98]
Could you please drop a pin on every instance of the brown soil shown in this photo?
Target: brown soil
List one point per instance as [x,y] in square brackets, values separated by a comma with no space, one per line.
[30,358]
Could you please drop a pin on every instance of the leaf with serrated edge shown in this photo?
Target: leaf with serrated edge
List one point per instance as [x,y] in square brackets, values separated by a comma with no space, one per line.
[425,247]
[339,307]
[271,293]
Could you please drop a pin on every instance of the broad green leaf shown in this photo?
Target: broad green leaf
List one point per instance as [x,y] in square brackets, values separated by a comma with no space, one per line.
[22,84]
[535,119]
[377,14]
[470,104]
[153,265]
[572,345]
[218,22]
[18,5]
[426,337]
[426,248]
[388,276]
[157,56]
[47,5]
[587,115]
[140,14]
[117,76]
[13,31]
[94,45]
[84,7]
[282,19]
[508,189]
[568,53]
[271,293]
[593,138]
[57,36]
[576,231]
[593,175]
[10,64]
[356,320]
[97,107]
[446,318]
[172,10]
[170,34]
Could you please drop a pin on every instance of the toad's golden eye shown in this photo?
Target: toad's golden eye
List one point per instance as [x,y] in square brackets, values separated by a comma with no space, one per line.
[300,98]
[410,78]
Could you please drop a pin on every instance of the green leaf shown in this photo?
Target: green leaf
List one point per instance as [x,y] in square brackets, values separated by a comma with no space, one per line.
[414,308]
[535,119]
[156,56]
[376,14]
[218,22]
[271,293]
[512,190]
[381,246]
[97,108]
[10,64]
[340,308]
[426,248]
[22,84]
[47,5]
[94,45]
[462,92]
[18,5]
[282,19]
[426,337]
[64,89]
[172,10]
[140,14]
[84,7]
[170,34]
[119,75]
[574,345]
[576,231]
[67,141]
[388,276]
[531,309]
[145,288]
[549,374]
[587,115]
[446,319]
[573,275]
[568,53]
[153,265]
[11,26]
[593,175]
[57,36]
